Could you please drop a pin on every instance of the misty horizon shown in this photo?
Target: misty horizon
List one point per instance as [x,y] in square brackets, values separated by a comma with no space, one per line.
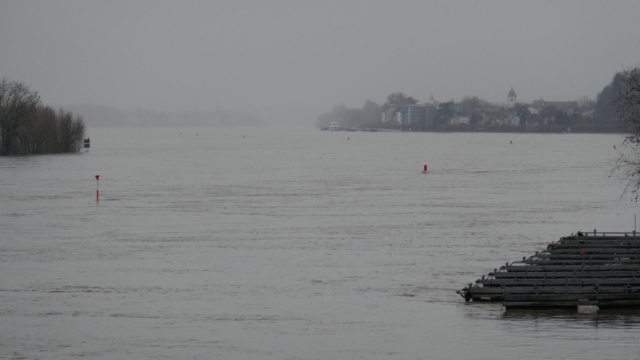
[288,62]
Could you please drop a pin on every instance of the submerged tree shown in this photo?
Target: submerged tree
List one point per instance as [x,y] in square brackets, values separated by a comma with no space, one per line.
[626,102]
[26,127]
[18,105]
[44,132]
[70,131]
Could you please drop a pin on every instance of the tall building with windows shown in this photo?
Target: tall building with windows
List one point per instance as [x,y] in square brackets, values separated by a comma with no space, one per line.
[412,114]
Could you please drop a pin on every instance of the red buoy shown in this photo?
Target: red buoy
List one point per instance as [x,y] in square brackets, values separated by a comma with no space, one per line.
[97,187]
[582,253]
[425,169]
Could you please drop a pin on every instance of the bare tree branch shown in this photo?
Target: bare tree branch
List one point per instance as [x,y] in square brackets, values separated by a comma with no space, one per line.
[626,101]
[17,106]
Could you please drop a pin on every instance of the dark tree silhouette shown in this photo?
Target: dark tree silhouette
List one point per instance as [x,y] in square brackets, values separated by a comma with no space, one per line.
[400,99]
[471,104]
[18,105]
[522,110]
[70,131]
[475,119]
[605,108]
[26,127]
[444,114]
[372,112]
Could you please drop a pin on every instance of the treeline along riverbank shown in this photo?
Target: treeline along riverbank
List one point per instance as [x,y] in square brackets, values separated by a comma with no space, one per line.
[28,127]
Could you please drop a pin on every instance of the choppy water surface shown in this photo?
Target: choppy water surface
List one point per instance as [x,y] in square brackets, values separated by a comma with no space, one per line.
[298,244]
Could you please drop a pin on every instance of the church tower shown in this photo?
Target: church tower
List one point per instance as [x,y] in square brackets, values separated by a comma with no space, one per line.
[511,98]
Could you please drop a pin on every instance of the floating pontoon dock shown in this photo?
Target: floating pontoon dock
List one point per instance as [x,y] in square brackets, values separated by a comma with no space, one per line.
[593,268]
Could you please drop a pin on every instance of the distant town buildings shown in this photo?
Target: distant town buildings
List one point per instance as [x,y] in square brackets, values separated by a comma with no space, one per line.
[473,111]
[412,114]
[566,106]
[402,112]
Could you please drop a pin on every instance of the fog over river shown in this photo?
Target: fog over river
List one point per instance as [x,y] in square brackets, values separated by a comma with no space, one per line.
[280,243]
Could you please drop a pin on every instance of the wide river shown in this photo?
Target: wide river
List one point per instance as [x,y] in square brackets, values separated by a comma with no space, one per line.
[280,243]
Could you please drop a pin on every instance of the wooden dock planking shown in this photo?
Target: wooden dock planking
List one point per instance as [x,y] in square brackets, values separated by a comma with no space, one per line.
[559,282]
[590,251]
[583,261]
[586,258]
[591,246]
[543,304]
[555,290]
[528,268]
[577,270]
[497,294]
[572,297]
[585,253]
[563,274]
[602,301]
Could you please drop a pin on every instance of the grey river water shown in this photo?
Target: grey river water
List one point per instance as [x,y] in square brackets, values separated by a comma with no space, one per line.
[279,243]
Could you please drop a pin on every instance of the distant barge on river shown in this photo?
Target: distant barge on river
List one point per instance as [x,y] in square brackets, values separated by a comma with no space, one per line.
[601,269]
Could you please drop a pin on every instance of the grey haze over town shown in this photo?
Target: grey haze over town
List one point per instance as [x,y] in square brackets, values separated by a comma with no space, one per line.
[286,62]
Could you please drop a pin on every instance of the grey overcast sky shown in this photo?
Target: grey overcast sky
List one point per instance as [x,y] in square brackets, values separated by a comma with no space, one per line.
[296,59]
